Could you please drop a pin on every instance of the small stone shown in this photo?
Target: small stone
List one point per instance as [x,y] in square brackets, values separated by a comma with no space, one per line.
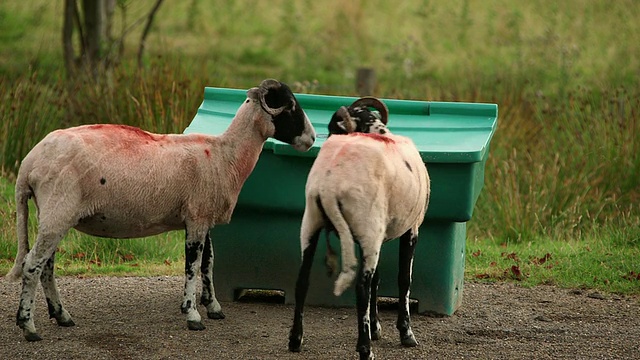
[543,318]
[596,295]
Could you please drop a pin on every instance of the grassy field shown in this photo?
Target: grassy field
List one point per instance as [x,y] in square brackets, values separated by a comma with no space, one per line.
[563,176]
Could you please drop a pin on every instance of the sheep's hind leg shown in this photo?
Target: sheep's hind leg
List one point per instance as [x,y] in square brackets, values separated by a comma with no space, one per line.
[208,298]
[376,329]
[407,249]
[302,286]
[33,266]
[368,266]
[194,246]
[51,293]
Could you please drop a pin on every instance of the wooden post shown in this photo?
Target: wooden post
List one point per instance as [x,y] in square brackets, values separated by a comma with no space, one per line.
[365,81]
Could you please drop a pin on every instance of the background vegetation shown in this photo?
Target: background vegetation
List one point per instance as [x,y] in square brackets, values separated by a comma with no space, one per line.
[563,175]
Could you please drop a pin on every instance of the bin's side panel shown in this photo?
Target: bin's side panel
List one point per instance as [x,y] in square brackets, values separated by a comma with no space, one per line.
[438,267]
[454,190]
[257,250]
[277,183]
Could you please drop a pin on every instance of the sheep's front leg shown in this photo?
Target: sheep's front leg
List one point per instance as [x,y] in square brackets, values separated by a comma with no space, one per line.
[51,293]
[194,245]
[407,249]
[302,286]
[208,298]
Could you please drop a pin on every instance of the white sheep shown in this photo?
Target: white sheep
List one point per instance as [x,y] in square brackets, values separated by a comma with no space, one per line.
[121,182]
[369,188]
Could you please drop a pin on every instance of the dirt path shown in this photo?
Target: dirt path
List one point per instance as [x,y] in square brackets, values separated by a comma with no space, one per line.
[139,318]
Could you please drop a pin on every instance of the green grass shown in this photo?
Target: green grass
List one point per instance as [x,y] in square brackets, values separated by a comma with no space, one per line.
[563,173]
[608,261]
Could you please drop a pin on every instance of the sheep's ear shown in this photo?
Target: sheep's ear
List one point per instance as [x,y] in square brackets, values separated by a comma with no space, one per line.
[254,93]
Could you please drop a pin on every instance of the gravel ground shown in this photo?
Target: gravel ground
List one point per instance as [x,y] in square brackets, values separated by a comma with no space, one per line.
[139,318]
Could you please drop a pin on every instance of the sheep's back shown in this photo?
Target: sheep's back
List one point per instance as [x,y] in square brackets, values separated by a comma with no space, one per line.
[376,175]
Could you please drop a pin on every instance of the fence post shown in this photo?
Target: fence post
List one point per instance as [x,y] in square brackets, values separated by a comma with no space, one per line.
[365,81]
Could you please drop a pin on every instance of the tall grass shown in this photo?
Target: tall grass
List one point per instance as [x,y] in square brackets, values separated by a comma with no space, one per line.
[563,163]
[161,98]
[572,167]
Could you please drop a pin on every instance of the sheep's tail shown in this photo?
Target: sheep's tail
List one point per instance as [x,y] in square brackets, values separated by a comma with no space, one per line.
[347,245]
[23,192]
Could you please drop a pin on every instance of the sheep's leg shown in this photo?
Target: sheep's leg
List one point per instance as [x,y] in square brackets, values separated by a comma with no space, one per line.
[35,261]
[368,265]
[194,246]
[302,285]
[376,329]
[51,293]
[208,298]
[407,249]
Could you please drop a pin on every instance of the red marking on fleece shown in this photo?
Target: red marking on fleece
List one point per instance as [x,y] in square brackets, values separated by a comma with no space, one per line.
[246,162]
[127,131]
[378,137]
[207,152]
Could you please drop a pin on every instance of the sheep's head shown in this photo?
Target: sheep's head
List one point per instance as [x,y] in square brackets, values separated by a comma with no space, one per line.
[290,124]
[357,117]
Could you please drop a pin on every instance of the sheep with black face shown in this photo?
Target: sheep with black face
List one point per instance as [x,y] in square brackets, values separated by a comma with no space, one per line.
[357,117]
[369,188]
[122,182]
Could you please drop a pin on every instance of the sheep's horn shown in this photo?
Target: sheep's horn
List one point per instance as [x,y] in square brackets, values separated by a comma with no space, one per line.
[376,104]
[265,86]
[348,124]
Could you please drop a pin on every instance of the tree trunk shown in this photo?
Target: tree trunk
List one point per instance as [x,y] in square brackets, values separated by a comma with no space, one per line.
[93,31]
[67,38]
[109,55]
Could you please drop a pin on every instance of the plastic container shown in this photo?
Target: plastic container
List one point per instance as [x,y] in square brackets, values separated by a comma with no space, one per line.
[260,248]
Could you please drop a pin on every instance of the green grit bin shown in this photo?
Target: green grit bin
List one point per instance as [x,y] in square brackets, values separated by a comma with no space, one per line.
[260,247]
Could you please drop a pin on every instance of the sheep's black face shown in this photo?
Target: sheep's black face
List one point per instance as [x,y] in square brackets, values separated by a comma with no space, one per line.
[291,125]
[363,121]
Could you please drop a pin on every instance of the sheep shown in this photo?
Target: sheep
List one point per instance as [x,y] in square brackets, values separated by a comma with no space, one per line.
[369,188]
[118,181]
[355,118]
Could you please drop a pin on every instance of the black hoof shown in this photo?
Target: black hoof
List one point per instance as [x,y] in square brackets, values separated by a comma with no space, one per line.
[195,325]
[367,355]
[32,337]
[408,340]
[295,344]
[215,315]
[67,323]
